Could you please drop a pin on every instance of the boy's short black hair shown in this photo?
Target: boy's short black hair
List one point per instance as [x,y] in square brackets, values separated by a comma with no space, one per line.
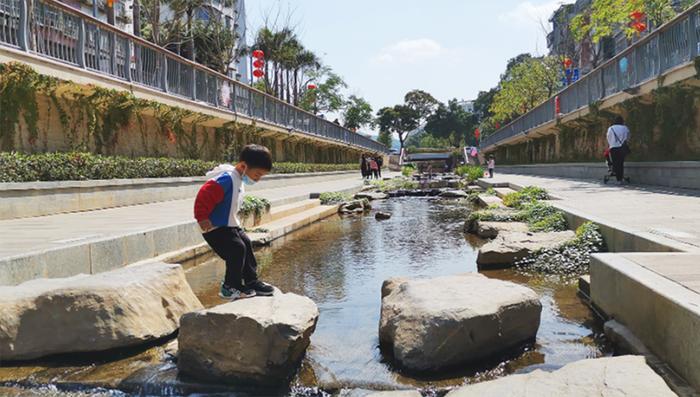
[256,156]
[619,120]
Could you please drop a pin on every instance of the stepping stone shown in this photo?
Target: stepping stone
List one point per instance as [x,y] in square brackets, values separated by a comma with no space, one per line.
[382,216]
[509,247]
[610,376]
[492,229]
[370,393]
[91,313]
[434,324]
[454,194]
[372,196]
[258,341]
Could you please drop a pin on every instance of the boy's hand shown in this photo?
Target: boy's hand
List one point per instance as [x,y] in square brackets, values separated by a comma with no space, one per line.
[206,225]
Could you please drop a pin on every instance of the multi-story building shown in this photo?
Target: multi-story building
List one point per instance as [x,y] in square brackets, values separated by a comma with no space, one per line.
[229,12]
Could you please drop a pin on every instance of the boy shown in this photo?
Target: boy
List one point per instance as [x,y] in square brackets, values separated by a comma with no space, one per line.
[216,210]
[491,165]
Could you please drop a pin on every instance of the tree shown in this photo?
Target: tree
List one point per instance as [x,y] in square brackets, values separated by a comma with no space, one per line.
[483,102]
[357,113]
[452,123]
[421,102]
[327,96]
[528,84]
[215,45]
[399,120]
[385,139]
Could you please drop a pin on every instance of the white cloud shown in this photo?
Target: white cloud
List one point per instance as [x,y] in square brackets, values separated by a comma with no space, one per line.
[527,13]
[410,51]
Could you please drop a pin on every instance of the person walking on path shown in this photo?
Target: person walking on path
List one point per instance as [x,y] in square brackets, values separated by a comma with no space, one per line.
[491,165]
[364,166]
[618,134]
[374,167]
[380,163]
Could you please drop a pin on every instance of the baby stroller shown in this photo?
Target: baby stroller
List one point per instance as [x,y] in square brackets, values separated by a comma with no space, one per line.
[611,172]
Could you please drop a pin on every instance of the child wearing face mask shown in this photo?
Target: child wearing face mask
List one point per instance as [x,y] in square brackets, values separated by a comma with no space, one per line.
[216,210]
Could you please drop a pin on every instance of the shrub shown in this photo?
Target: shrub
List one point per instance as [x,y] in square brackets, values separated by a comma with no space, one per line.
[408,171]
[470,172]
[524,196]
[571,259]
[17,167]
[254,205]
[333,198]
[542,217]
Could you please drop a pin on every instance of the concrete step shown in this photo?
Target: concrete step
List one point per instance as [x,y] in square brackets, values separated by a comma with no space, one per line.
[288,224]
[488,183]
[486,200]
[656,296]
[503,191]
[283,211]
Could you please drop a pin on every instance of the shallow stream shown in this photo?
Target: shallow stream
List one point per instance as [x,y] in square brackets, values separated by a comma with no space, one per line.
[340,263]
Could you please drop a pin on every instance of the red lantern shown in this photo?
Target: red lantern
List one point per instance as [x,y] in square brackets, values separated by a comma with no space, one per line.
[498,125]
[637,15]
[477,133]
[557,105]
[568,62]
[311,86]
[258,54]
[259,63]
[640,27]
[258,73]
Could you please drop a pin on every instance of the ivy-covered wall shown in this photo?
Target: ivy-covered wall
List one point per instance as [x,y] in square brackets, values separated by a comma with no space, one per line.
[664,126]
[44,114]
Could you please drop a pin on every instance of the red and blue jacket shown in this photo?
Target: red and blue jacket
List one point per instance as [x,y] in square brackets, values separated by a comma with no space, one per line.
[220,198]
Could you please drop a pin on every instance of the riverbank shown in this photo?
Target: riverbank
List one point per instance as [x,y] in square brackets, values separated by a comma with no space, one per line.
[340,263]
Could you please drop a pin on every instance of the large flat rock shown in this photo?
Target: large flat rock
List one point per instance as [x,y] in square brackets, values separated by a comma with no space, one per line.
[371,196]
[90,313]
[371,393]
[432,324]
[612,376]
[258,341]
[493,229]
[509,247]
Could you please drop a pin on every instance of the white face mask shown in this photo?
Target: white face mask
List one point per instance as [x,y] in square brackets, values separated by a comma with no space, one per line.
[247,180]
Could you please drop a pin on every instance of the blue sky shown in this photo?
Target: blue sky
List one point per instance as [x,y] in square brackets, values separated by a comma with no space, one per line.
[384,48]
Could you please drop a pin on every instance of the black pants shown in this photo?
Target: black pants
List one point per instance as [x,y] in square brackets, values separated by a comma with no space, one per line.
[490,172]
[618,162]
[379,171]
[233,246]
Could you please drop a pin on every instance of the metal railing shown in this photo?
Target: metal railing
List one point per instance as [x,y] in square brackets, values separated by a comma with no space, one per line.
[57,31]
[671,45]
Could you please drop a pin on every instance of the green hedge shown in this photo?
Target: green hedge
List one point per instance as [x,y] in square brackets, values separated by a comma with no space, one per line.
[17,167]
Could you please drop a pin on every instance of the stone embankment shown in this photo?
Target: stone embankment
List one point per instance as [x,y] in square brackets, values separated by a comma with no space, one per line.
[432,324]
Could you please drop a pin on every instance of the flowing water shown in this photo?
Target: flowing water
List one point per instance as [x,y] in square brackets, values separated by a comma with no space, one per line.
[340,263]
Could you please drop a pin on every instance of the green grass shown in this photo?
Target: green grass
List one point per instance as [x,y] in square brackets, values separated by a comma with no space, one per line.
[527,195]
[333,198]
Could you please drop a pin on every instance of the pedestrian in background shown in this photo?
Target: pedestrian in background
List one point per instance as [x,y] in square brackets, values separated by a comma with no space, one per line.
[380,163]
[374,167]
[491,165]
[364,166]
[618,135]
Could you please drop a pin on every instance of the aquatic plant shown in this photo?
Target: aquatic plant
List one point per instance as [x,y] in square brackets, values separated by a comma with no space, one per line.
[333,198]
[571,259]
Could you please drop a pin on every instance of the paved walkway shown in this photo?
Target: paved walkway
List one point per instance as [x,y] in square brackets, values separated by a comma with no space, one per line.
[651,211]
[22,236]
